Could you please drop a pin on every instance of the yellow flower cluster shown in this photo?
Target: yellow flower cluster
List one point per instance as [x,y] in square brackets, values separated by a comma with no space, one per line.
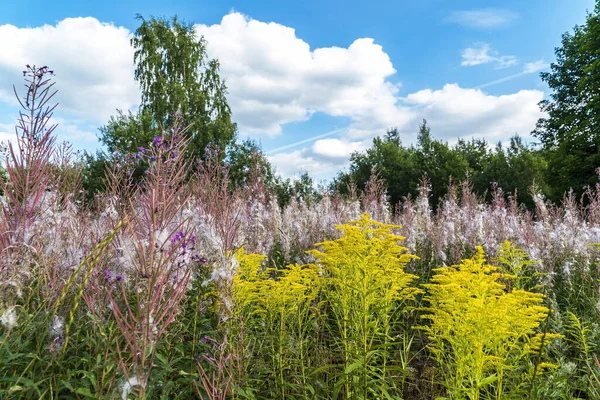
[482,325]
[479,331]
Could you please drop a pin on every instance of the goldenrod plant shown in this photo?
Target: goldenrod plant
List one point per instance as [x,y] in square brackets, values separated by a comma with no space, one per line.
[283,301]
[479,331]
[366,289]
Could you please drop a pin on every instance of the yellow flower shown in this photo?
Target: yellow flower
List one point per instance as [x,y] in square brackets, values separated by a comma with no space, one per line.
[479,331]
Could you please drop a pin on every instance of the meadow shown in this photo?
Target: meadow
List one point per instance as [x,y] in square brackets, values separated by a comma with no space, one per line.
[178,285]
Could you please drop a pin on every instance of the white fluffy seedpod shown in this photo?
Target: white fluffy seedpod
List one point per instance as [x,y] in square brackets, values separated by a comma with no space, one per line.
[58,326]
[8,319]
[128,385]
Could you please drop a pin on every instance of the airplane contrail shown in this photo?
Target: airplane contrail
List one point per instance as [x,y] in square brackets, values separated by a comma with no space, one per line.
[510,77]
[310,139]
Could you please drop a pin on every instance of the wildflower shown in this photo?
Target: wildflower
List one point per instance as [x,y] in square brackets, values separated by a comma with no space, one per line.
[177,237]
[481,324]
[119,278]
[141,149]
[107,275]
[56,344]
[207,339]
[9,318]
[157,141]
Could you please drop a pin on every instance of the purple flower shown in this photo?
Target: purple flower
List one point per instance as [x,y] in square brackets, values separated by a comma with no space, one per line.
[177,237]
[207,339]
[157,141]
[119,278]
[141,149]
[107,275]
[202,260]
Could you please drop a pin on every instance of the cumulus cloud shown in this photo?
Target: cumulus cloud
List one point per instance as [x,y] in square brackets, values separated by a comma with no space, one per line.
[275,78]
[69,130]
[458,112]
[291,164]
[335,148]
[74,131]
[485,18]
[482,53]
[6,133]
[93,62]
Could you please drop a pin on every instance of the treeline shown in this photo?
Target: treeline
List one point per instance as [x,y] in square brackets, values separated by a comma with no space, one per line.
[516,167]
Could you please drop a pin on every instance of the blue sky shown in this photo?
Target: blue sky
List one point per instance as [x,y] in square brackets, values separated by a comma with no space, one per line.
[311,80]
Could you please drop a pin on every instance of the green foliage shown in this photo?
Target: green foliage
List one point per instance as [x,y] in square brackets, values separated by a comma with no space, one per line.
[247,162]
[515,168]
[395,164]
[125,133]
[570,133]
[277,307]
[175,75]
[301,189]
[516,263]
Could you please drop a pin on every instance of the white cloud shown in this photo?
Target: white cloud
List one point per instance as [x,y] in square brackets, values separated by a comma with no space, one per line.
[93,62]
[536,66]
[72,131]
[335,148]
[275,78]
[6,133]
[68,130]
[291,164]
[485,18]
[455,112]
[482,53]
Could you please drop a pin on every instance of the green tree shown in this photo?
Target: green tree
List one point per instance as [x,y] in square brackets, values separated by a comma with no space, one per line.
[395,165]
[440,163]
[245,159]
[477,155]
[514,168]
[571,131]
[302,189]
[175,76]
